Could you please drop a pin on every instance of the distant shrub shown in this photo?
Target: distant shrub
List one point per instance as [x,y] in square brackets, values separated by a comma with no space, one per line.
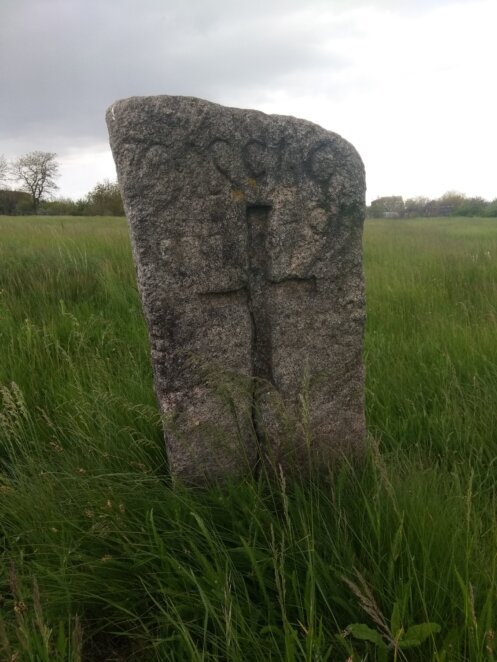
[491,209]
[15,202]
[104,200]
[62,207]
[471,207]
[451,203]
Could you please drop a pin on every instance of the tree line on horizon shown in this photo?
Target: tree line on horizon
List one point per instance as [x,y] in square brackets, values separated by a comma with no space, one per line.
[34,178]
[35,175]
[451,203]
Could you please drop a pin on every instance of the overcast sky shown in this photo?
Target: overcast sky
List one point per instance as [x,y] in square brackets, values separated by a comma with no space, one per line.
[411,83]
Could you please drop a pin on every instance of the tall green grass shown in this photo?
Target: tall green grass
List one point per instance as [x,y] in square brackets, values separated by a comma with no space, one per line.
[101,560]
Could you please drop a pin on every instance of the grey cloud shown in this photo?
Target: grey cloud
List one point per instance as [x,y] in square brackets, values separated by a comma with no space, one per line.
[67,61]
[64,61]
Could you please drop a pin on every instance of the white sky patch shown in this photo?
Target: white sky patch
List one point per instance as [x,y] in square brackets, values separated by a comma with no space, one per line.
[83,168]
[418,99]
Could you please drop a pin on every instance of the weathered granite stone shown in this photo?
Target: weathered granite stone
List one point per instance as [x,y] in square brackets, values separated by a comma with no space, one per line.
[246,231]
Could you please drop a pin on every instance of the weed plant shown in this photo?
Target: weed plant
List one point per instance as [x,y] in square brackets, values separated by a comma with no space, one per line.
[101,560]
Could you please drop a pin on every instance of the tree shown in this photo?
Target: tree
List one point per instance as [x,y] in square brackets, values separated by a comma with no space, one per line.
[450,202]
[62,207]
[471,207]
[105,200]
[14,202]
[3,168]
[391,206]
[36,171]
[416,206]
[491,209]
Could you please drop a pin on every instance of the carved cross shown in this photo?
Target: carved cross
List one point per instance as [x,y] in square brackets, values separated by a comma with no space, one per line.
[255,290]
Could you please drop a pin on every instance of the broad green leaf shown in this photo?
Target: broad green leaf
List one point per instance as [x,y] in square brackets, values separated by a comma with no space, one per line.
[61,640]
[395,621]
[271,629]
[416,634]
[365,633]
[408,643]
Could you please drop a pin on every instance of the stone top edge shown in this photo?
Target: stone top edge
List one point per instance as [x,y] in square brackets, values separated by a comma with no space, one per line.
[191,101]
[128,110]
[135,100]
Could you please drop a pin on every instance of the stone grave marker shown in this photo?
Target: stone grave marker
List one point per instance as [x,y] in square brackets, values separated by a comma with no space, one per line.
[246,232]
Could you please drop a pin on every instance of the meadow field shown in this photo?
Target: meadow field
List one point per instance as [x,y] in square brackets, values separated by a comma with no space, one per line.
[101,560]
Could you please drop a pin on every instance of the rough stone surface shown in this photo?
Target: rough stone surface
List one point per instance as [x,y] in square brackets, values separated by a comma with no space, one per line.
[246,232]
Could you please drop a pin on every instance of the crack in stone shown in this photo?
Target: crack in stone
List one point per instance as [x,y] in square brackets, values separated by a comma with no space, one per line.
[257,217]
[255,291]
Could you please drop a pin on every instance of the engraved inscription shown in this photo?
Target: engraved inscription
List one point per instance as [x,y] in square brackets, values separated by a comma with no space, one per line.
[221,151]
[254,155]
[258,159]
[321,162]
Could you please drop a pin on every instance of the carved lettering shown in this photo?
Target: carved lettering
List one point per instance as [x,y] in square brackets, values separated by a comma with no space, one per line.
[254,156]
[221,153]
[321,162]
